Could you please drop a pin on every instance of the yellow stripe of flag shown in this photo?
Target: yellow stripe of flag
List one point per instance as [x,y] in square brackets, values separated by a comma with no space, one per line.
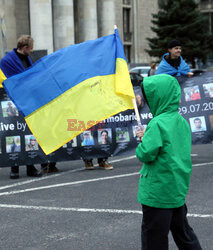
[108,94]
[2,78]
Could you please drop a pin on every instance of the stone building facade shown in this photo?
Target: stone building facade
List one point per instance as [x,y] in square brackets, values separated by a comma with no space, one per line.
[55,24]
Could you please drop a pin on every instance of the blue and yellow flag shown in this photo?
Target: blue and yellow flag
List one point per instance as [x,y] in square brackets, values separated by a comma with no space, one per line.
[72,89]
[2,78]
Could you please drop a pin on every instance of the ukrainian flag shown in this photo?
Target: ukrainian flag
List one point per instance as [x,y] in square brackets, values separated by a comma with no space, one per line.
[82,84]
[2,78]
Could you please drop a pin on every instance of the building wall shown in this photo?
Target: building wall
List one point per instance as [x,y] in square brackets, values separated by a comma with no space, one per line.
[22,16]
[145,10]
[7,11]
[64,22]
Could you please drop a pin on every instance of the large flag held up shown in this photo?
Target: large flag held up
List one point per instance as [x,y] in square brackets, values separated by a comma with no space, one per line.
[83,83]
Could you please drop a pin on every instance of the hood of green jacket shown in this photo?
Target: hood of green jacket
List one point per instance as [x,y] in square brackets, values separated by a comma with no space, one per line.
[163,93]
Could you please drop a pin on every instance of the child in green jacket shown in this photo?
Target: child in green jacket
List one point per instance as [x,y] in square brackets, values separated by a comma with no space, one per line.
[165,151]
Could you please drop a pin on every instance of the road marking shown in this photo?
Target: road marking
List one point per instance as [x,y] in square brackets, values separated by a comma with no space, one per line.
[68,184]
[75,170]
[193,155]
[39,179]
[202,164]
[92,210]
[58,174]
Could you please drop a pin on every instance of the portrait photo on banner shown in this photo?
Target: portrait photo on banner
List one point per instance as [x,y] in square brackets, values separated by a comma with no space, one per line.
[192,93]
[137,128]
[31,143]
[105,136]
[208,90]
[87,138]
[9,109]
[211,121]
[13,144]
[122,135]
[71,144]
[139,98]
[198,124]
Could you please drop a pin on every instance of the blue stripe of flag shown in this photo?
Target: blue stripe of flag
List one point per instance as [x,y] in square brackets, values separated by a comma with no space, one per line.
[56,73]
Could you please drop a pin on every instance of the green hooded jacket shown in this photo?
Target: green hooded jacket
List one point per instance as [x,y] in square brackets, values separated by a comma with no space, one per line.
[165,149]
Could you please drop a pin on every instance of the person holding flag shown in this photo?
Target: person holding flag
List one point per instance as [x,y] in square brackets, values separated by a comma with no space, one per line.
[13,63]
[72,89]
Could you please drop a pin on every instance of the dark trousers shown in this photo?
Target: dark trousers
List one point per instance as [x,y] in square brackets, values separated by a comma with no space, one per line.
[30,169]
[156,224]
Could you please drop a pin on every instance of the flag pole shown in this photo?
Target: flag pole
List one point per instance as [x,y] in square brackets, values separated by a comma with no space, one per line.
[134,102]
[136,112]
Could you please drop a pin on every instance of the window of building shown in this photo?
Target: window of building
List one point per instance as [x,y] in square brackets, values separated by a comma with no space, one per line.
[127,51]
[127,29]
[126,20]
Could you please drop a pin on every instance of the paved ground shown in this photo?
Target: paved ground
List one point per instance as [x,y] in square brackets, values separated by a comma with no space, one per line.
[78,209]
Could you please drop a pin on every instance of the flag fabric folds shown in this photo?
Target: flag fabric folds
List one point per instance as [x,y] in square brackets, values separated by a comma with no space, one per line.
[72,89]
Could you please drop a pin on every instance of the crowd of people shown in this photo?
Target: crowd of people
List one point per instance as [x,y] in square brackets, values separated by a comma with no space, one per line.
[165,174]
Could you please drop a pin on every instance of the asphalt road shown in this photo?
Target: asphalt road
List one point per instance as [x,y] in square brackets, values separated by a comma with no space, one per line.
[88,210]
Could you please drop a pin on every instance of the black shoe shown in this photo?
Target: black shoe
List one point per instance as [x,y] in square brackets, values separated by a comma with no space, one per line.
[44,170]
[14,175]
[52,169]
[34,174]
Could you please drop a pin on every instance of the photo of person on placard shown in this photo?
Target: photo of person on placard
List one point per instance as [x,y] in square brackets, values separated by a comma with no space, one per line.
[31,143]
[72,143]
[211,121]
[139,98]
[137,128]
[198,124]
[192,93]
[122,134]
[9,109]
[139,101]
[87,139]
[13,144]
[208,90]
[104,136]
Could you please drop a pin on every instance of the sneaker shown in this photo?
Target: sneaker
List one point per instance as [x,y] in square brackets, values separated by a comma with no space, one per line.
[89,165]
[105,165]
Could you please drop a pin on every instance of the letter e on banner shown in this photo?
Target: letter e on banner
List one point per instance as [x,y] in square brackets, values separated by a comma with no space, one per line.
[71,125]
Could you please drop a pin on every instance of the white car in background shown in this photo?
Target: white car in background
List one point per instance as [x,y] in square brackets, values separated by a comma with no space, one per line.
[142,70]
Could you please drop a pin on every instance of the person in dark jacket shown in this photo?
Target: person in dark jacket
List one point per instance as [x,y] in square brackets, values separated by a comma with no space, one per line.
[172,62]
[165,151]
